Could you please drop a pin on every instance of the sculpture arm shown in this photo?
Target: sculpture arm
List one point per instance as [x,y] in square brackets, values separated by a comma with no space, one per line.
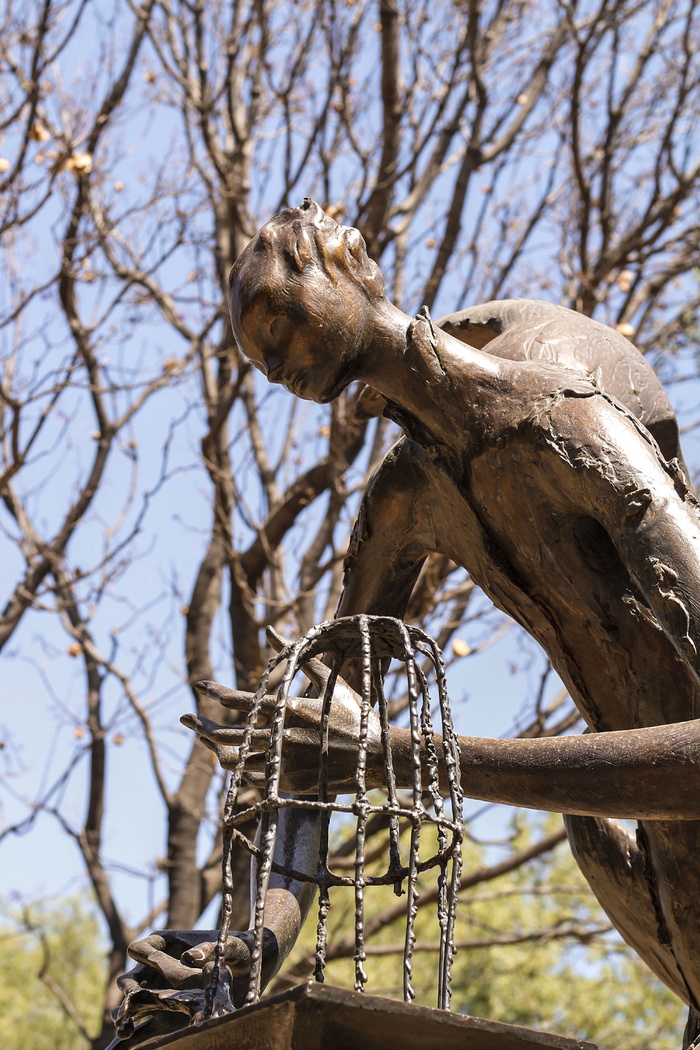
[638,774]
[642,774]
[390,540]
[391,537]
[651,518]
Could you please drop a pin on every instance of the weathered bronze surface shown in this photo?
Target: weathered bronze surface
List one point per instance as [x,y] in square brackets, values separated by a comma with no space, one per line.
[317,1016]
[542,455]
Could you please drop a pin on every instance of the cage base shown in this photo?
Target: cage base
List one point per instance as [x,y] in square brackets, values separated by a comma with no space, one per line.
[317,1016]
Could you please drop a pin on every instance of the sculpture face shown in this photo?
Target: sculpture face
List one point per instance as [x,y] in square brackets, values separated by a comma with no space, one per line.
[302,297]
[309,348]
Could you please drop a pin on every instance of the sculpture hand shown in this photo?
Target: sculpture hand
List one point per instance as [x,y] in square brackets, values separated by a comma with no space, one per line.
[182,957]
[302,737]
[173,970]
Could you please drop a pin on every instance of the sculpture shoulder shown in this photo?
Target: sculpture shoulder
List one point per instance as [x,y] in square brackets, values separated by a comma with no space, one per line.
[484,322]
[530,330]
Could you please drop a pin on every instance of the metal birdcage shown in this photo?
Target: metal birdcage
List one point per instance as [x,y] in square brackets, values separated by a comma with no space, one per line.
[434,798]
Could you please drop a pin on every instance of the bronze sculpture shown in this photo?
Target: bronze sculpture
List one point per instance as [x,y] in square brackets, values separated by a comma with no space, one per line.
[541,410]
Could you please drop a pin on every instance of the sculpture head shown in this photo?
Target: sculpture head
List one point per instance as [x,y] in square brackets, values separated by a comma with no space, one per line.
[302,296]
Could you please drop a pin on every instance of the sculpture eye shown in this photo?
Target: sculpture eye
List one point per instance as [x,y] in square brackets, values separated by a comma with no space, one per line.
[276,327]
[281,330]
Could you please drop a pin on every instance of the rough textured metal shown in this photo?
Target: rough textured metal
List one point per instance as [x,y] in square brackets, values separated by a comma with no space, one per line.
[526,459]
[373,639]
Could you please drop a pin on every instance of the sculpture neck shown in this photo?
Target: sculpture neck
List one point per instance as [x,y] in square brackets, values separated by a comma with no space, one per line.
[436,386]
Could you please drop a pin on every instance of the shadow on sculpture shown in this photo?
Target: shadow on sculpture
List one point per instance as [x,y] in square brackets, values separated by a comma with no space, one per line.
[541,454]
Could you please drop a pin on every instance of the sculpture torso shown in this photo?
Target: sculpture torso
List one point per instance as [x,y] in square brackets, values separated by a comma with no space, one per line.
[520,497]
[556,503]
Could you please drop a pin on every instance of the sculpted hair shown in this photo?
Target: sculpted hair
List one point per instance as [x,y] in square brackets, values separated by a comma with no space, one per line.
[294,243]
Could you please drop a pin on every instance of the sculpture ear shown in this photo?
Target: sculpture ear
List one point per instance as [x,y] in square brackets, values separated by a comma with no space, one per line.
[314,669]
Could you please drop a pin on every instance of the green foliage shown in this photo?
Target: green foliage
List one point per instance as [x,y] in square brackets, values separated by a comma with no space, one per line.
[587,988]
[63,940]
[569,976]
[584,984]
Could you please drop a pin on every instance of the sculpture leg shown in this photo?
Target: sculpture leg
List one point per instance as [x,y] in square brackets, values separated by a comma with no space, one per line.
[671,849]
[691,1036]
[614,867]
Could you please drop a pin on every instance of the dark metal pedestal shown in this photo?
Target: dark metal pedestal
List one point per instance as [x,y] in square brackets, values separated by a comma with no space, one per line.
[319,1017]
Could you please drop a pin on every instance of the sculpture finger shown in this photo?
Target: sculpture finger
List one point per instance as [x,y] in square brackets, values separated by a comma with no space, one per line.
[237,955]
[177,975]
[235,699]
[131,980]
[229,758]
[174,942]
[226,735]
[314,669]
[317,672]
[276,641]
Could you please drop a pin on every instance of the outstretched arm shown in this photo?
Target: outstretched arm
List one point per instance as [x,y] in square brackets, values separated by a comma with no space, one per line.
[642,774]
[390,541]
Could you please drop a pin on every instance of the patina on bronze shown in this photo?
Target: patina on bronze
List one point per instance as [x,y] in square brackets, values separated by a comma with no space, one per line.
[541,454]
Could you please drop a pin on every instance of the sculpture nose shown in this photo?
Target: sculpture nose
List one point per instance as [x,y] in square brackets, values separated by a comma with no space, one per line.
[275,375]
[273,367]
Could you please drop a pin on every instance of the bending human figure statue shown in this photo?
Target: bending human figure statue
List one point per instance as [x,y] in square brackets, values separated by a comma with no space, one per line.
[541,454]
